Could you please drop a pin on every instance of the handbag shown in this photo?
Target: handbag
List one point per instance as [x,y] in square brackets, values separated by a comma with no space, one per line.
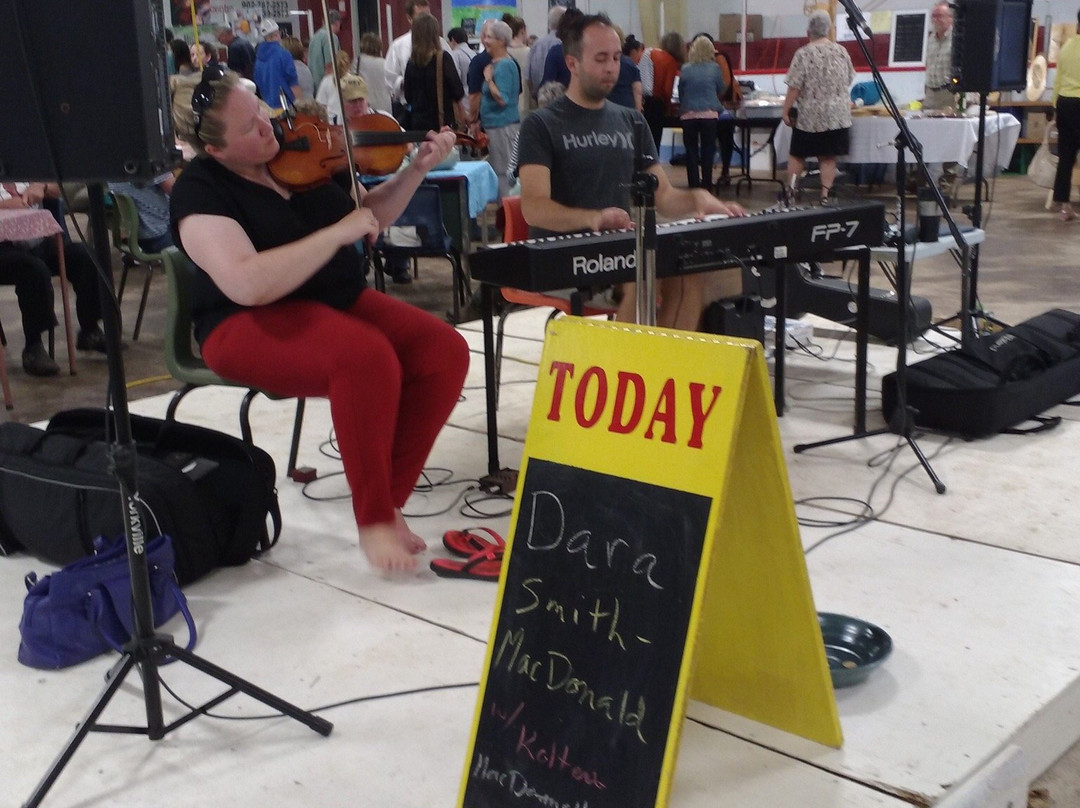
[85,608]
[1043,167]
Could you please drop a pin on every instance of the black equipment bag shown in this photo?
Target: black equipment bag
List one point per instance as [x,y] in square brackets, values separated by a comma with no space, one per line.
[999,381]
[209,491]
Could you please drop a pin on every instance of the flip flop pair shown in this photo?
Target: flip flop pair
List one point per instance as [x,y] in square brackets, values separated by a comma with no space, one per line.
[478,558]
[466,543]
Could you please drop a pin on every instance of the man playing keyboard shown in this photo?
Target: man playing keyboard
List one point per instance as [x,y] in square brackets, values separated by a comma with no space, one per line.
[577,162]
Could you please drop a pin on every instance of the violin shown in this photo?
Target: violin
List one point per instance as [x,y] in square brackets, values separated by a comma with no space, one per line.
[312,150]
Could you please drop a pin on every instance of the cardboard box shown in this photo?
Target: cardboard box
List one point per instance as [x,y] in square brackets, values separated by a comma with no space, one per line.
[1034,125]
[731,28]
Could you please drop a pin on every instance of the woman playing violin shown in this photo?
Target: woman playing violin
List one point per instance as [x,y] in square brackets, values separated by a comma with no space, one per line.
[280,302]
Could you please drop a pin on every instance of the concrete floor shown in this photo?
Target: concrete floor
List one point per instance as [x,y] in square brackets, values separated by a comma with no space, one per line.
[1028,265]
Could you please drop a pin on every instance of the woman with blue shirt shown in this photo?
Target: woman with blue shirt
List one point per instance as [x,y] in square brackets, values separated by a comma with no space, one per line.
[701,85]
[499,103]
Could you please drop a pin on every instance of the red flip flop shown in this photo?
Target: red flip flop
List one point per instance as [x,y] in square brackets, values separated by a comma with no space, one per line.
[466,543]
[482,566]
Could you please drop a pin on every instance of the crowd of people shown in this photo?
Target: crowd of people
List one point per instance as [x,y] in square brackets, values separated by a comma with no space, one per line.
[280,300]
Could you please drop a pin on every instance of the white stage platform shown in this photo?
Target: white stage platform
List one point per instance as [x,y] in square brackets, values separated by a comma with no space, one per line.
[979,588]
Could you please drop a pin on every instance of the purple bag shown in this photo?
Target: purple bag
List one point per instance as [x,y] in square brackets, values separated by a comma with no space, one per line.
[85,609]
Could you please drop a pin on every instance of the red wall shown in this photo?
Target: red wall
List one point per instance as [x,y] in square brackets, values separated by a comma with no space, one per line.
[774,55]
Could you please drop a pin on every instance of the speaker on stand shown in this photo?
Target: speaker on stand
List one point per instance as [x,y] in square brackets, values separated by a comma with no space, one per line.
[101,82]
[88,101]
[990,51]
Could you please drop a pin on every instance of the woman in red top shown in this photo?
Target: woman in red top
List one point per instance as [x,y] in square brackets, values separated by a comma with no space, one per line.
[667,59]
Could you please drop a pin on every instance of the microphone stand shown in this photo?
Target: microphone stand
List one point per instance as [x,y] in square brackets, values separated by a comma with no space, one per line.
[643,190]
[147,650]
[902,421]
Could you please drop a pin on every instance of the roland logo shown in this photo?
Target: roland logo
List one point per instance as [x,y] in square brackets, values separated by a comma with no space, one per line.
[825,232]
[603,264]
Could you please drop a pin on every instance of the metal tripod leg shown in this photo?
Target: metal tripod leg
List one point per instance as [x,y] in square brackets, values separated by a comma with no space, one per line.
[162,648]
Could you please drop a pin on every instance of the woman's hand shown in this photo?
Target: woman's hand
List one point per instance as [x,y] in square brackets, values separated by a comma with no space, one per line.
[435,149]
[357,225]
[785,116]
[489,72]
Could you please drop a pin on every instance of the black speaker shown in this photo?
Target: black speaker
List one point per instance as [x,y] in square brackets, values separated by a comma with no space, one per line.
[85,91]
[834,299]
[990,44]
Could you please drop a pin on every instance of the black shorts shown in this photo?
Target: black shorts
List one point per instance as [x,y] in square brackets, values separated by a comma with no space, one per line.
[831,143]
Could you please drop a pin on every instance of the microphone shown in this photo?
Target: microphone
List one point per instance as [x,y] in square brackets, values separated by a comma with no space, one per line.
[856,18]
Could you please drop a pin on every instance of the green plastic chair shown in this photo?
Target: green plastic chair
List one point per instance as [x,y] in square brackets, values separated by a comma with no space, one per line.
[185,366]
[126,240]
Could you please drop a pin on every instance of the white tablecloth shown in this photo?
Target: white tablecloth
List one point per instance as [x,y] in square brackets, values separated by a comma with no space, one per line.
[943,140]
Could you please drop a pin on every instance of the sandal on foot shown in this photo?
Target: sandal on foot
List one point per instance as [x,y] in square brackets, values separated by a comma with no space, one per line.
[483,566]
[466,543]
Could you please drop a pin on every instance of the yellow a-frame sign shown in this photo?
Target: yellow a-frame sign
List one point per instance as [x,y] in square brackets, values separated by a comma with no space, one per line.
[654,553]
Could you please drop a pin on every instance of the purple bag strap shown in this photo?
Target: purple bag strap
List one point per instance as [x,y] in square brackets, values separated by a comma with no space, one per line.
[100,601]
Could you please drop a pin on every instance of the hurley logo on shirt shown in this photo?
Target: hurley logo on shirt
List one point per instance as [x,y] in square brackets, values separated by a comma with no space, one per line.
[614,140]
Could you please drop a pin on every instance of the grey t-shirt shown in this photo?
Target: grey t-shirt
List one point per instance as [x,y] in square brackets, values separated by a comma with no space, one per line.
[590,153]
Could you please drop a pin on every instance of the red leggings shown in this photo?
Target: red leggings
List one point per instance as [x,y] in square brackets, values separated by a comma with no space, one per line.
[392,372]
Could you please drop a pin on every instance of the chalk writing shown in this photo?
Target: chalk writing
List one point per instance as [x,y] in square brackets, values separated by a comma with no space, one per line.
[593,552]
[586,653]
[591,614]
[555,671]
[515,783]
[554,756]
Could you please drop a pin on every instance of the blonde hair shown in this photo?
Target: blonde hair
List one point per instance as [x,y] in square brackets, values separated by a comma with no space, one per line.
[211,130]
[344,61]
[701,50]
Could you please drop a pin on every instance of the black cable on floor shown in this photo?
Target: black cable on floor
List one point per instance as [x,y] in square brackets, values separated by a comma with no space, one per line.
[358,700]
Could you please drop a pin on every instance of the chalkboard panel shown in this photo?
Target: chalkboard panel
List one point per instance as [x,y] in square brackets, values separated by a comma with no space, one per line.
[908,38]
[590,638]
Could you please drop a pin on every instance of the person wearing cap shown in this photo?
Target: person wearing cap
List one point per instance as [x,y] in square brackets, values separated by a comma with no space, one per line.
[354,92]
[319,53]
[275,73]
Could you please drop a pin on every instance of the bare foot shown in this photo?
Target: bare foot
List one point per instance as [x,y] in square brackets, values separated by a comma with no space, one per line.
[1067,213]
[409,540]
[384,549]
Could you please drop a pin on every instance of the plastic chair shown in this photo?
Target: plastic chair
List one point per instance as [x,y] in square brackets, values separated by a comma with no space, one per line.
[419,232]
[515,228]
[190,369]
[126,240]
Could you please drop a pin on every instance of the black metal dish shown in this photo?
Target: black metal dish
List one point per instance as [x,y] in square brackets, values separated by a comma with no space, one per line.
[853,647]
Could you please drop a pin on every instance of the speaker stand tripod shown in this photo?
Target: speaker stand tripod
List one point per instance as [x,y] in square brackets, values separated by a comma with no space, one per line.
[147,650]
[902,421]
[970,314]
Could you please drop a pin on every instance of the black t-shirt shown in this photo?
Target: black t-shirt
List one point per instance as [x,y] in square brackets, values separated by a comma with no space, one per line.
[589,153]
[206,186]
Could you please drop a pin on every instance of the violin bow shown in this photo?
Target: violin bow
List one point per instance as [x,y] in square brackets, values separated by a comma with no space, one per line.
[344,117]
